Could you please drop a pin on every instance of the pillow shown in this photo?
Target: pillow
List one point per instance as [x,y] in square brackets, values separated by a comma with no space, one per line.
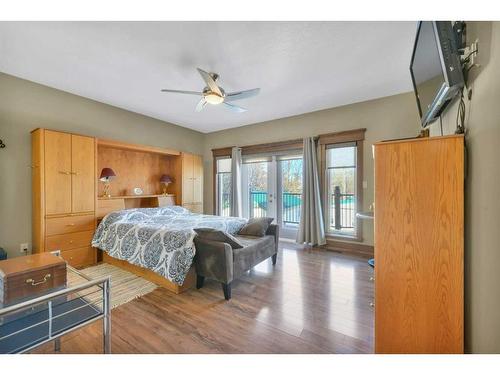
[256,226]
[219,236]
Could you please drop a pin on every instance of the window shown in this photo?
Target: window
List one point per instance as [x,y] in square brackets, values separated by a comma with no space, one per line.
[341,192]
[341,158]
[223,186]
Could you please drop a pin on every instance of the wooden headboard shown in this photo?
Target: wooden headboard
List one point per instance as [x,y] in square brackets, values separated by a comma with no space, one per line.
[137,166]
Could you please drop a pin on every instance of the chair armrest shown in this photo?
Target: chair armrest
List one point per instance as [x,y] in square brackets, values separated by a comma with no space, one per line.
[274,230]
[214,260]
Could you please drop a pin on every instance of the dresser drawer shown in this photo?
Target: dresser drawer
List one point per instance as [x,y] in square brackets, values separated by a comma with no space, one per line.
[68,241]
[69,224]
[81,257]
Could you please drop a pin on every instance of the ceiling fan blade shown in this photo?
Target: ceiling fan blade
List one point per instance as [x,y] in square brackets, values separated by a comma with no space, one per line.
[234,108]
[237,95]
[210,82]
[182,92]
[201,104]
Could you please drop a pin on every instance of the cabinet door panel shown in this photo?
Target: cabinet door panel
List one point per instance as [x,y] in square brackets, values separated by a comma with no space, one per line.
[57,151]
[187,178]
[419,246]
[197,179]
[83,173]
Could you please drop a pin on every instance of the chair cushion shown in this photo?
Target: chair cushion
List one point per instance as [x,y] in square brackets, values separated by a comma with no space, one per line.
[256,226]
[254,251]
[218,236]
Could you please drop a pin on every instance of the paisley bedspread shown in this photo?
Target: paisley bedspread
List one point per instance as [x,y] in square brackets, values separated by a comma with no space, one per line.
[160,239]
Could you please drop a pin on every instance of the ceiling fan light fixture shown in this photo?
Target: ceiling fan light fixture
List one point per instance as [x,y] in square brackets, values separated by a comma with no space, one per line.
[213,98]
[213,94]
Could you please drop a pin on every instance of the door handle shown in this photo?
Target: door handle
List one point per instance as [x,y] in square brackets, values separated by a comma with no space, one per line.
[64,172]
[33,282]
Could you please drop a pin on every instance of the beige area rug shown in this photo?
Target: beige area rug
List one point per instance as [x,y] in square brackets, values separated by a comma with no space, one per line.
[125,286]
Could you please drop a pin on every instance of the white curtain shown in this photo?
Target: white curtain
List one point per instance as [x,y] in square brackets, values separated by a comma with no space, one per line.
[236,182]
[311,229]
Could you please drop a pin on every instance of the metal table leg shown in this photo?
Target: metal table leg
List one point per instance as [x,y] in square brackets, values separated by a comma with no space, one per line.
[57,345]
[106,321]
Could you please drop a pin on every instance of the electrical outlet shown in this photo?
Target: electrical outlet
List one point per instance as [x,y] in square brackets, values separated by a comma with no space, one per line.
[23,248]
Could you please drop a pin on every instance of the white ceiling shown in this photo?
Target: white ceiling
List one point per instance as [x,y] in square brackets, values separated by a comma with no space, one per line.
[300,66]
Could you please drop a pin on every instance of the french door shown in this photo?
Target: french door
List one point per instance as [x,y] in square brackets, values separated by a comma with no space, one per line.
[258,182]
[272,187]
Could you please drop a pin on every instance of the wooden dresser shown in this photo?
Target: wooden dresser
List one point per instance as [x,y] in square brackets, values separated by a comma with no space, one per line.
[419,245]
[64,194]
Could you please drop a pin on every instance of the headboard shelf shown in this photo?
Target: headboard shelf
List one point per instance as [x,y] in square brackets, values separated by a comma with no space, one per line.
[107,205]
[136,168]
[136,196]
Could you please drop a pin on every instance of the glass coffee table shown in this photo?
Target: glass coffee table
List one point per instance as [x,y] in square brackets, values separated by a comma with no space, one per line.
[27,325]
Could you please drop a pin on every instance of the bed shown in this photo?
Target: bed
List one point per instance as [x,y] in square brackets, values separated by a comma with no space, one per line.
[159,240]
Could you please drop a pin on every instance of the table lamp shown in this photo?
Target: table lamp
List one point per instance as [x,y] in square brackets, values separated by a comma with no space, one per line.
[165,180]
[107,174]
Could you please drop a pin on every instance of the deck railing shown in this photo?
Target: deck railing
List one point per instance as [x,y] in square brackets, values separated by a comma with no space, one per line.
[291,205]
[342,210]
[258,204]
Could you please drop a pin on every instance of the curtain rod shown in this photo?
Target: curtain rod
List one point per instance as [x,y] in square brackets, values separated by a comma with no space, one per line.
[297,140]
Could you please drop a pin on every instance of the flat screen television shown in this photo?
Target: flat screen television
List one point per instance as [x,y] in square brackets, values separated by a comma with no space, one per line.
[435,69]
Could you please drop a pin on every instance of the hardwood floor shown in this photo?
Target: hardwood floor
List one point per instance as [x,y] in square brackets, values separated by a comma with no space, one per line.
[312,301]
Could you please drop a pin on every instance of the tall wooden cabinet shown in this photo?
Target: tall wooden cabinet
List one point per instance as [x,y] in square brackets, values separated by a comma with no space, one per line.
[419,235]
[64,195]
[192,182]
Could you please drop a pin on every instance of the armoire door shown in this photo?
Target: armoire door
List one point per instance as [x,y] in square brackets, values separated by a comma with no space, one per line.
[419,234]
[187,178]
[82,173]
[197,179]
[57,152]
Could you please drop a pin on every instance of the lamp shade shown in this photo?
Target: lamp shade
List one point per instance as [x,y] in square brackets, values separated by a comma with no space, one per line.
[165,179]
[107,174]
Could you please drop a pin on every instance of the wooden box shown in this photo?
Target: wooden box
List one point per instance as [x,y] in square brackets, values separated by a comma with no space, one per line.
[30,276]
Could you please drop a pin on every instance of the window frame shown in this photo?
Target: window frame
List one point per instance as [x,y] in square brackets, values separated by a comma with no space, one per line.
[357,137]
[216,185]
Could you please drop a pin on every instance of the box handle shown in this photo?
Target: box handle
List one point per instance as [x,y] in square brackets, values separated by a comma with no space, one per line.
[33,282]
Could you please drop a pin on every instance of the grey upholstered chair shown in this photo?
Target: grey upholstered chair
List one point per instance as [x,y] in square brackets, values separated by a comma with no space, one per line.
[219,261]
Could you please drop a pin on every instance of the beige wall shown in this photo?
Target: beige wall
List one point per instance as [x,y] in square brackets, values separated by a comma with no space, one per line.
[386,118]
[25,106]
[482,193]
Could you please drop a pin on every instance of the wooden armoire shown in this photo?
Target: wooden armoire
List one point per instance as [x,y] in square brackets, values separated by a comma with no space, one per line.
[419,245]
[192,182]
[64,194]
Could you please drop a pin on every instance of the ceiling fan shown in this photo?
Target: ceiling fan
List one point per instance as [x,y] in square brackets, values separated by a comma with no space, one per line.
[214,94]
